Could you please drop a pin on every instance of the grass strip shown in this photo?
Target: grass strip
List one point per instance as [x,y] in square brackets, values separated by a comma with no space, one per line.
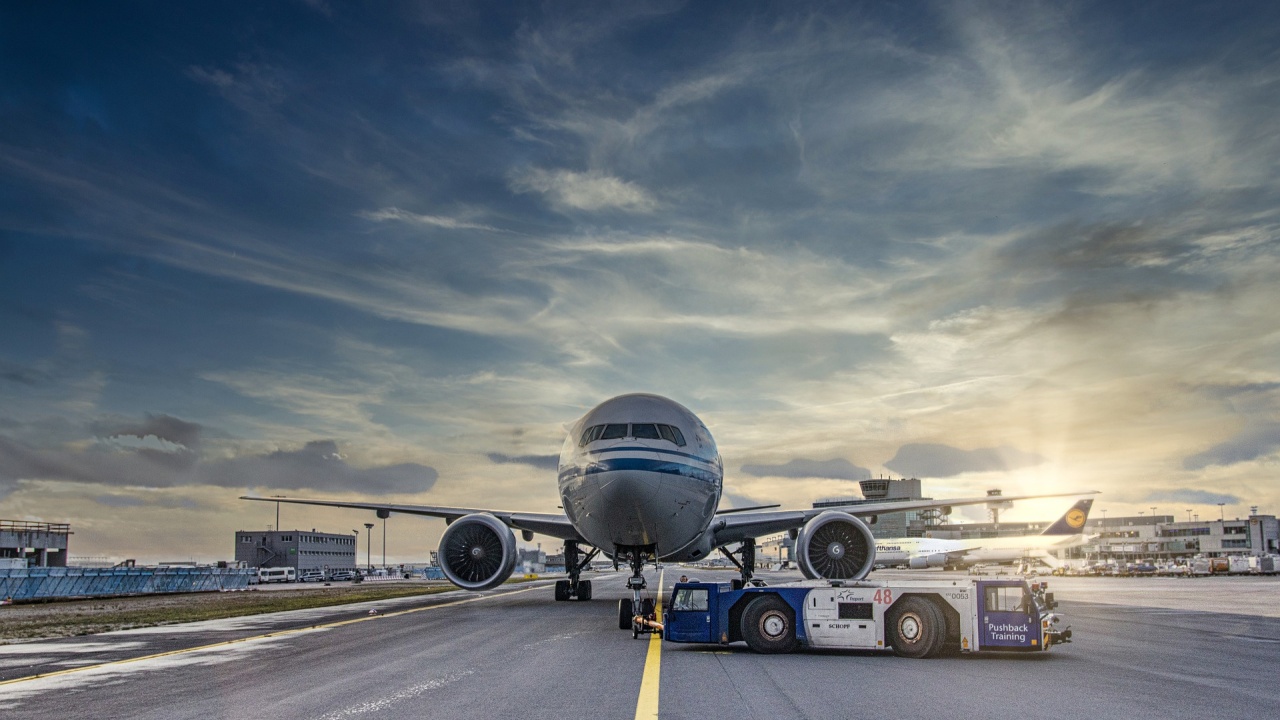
[86,617]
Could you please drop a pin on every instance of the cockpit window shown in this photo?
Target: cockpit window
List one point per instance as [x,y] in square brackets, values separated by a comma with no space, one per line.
[614,431]
[676,436]
[591,434]
[645,431]
[665,432]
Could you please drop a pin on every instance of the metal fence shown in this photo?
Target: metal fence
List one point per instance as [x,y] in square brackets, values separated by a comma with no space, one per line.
[67,582]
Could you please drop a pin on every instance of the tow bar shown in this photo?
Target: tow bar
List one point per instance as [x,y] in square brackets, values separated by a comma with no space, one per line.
[645,624]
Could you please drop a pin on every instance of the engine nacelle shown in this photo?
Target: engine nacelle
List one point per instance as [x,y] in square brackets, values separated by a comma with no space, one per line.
[935,560]
[477,552]
[835,546]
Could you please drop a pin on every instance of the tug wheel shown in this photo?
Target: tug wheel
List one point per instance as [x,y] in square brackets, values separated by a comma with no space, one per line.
[769,625]
[917,629]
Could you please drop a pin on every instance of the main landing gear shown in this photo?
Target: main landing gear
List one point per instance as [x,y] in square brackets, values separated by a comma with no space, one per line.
[637,613]
[745,560]
[574,564]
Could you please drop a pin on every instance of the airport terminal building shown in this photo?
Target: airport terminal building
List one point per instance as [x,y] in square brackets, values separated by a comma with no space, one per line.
[33,544]
[298,549]
[1146,537]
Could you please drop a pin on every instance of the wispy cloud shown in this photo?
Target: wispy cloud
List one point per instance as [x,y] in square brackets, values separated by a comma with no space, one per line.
[838,469]
[590,191]
[447,223]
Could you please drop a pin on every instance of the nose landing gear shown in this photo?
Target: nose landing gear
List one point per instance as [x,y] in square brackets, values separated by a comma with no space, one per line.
[637,613]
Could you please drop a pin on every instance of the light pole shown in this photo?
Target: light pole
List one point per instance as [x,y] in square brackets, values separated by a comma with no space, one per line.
[368,555]
[1188,514]
[354,561]
[1221,517]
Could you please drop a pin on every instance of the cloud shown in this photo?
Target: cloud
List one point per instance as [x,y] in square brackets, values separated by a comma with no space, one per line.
[440,221]
[162,427]
[542,462]
[835,469]
[931,460]
[1249,444]
[318,465]
[584,191]
[1192,497]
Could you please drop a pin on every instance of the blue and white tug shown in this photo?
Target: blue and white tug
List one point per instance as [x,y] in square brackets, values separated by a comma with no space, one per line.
[913,618]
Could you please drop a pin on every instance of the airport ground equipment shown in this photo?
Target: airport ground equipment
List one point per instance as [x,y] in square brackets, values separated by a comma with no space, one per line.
[914,618]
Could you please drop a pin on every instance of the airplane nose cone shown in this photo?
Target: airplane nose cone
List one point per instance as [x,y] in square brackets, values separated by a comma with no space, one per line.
[629,506]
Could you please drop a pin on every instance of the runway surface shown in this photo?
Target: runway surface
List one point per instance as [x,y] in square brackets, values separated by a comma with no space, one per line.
[516,653]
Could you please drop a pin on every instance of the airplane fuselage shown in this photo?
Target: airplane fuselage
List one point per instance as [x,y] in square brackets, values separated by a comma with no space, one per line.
[893,551]
[640,470]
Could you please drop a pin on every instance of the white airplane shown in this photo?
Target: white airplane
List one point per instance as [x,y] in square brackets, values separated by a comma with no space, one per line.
[919,553]
[641,482]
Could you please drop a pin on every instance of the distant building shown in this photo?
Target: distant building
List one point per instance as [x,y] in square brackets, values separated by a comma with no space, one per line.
[1131,539]
[33,544]
[297,549]
[898,524]
[533,561]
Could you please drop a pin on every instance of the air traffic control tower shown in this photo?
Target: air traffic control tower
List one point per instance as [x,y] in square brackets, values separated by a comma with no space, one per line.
[33,544]
[887,525]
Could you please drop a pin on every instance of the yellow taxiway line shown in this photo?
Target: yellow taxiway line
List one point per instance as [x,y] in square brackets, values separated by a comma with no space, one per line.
[647,704]
[281,633]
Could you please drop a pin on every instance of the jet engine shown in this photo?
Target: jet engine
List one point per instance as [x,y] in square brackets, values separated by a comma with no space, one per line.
[928,561]
[835,546]
[477,552]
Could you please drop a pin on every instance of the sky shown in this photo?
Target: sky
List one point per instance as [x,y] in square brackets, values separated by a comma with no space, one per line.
[389,251]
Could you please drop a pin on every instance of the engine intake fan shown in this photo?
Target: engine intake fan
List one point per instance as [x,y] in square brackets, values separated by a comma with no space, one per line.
[835,546]
[477,552]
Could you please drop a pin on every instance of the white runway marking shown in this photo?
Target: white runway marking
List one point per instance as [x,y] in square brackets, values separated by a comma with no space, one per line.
[115,673]
[408,693]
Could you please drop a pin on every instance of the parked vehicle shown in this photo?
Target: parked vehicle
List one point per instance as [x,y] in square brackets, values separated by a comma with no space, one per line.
[278,574]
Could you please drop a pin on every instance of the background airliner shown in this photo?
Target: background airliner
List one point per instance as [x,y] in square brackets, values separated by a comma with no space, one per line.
[640,481]
[919,553]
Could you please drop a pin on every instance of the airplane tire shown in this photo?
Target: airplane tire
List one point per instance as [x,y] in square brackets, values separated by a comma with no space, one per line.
[624,614]
[646,607]
[584,589]
[917,629]
[562,590]
[769,625]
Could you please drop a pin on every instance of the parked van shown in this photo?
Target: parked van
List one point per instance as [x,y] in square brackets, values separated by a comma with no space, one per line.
[312,576]
[270,575]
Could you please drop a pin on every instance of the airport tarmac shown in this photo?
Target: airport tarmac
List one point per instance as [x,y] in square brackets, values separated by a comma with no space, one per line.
[514,652]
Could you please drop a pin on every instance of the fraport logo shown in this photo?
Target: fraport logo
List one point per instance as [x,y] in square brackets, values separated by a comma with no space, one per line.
[1075,518]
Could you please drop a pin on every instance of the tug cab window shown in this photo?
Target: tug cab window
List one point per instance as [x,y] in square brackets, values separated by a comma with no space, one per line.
[1006,599]
[690,599]
[645,431]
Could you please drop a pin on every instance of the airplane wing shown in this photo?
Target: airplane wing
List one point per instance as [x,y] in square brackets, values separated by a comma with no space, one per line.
[736,528]
[552,524]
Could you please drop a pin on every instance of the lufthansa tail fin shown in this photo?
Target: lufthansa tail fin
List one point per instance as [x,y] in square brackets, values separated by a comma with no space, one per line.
[1073,522]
